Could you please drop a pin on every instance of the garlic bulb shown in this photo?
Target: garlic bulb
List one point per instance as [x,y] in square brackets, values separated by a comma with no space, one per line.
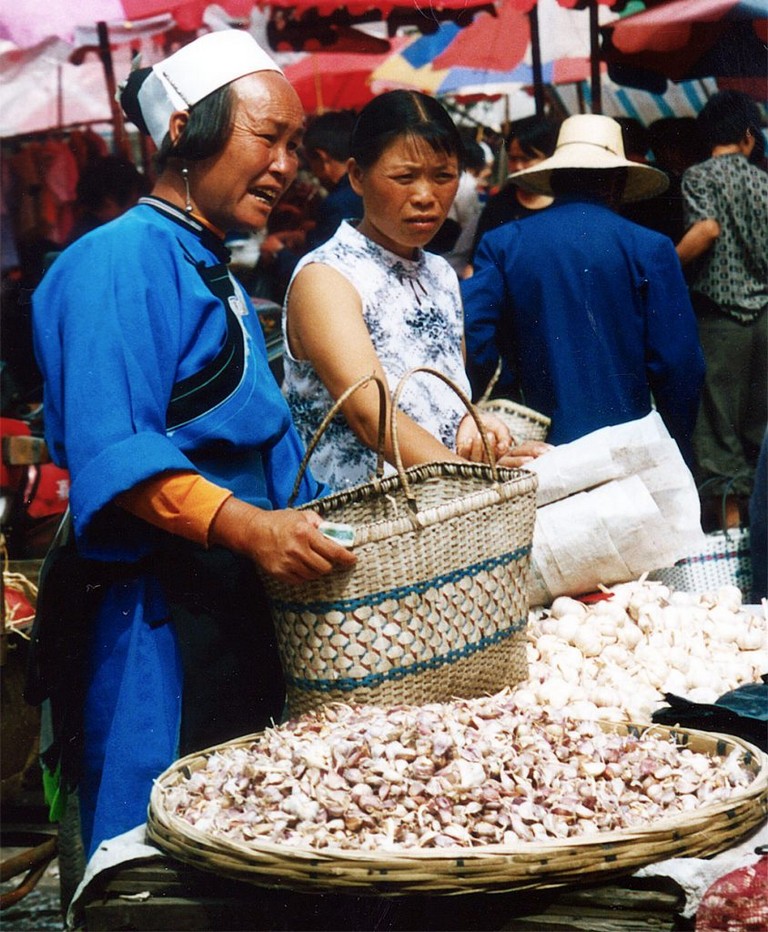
[751,639]
[563,605]
[588,641]
[566,627]
[629,634]
[644,640]
[729,597]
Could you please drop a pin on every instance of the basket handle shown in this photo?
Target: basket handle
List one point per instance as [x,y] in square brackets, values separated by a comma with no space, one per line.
[334,410]
[409,497]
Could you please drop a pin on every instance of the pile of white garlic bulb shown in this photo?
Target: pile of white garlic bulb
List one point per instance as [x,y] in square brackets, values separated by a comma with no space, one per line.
[614,659]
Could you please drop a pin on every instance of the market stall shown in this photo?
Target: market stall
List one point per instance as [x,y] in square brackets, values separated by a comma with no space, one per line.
[561,801]
[519,739]
[195,878]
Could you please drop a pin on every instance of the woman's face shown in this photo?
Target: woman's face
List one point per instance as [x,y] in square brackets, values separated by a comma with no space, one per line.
[406,194]
[237,188]
[517,159]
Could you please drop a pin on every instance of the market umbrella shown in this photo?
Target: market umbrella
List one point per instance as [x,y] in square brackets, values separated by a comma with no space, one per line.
[335,80]
[532,32]
[397,72]
[685,99]
[550,38]
[26,23]
[377,10]
[501,39]
[102,24]
[685,39]
[469,81]
[303,25]
[41,90]
[441,65]
[494,42]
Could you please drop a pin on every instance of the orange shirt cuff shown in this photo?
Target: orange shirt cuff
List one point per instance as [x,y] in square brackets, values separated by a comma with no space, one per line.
[182,503]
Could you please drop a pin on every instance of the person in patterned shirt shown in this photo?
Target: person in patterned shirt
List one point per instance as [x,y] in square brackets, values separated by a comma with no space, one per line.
[725,254]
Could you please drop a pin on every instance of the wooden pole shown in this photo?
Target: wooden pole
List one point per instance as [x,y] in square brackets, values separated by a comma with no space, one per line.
[59,97]
[318,81]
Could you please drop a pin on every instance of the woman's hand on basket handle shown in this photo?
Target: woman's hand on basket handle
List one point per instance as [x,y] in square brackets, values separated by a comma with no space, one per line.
[469,443]
[286,544]
[523,453]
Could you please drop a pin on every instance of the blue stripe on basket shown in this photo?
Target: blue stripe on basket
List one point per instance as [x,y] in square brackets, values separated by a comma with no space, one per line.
[347,684]
[709,557]
[376,598]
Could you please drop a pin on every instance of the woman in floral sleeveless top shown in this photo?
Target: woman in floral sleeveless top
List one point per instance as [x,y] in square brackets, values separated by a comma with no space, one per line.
[372,300]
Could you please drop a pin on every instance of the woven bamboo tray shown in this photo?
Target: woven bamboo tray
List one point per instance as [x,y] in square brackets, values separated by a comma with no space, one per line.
[523,423]
[495,868]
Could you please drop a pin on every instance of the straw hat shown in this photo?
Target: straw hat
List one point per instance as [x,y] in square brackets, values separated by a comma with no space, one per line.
[195,71]
[592,141]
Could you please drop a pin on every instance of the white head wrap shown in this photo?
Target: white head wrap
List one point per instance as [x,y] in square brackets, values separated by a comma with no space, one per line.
[195,71]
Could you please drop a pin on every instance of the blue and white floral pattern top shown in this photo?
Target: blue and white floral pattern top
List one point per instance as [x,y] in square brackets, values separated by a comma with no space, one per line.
[412,309]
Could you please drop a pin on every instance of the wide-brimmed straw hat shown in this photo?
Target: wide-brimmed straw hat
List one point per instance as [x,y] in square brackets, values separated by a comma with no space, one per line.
[591,141]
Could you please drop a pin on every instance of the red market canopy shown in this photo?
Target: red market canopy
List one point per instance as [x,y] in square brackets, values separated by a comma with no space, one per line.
[684,39]
[26,23]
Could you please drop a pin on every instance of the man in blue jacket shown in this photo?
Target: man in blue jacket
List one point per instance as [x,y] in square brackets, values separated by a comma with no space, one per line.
[589,311]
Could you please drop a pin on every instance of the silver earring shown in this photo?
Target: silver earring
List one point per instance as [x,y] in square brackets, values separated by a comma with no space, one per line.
[185,176]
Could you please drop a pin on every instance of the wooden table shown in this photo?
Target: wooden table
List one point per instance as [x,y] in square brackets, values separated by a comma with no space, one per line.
[164,894]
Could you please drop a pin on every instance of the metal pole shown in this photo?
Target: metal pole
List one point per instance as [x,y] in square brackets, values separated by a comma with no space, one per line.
[105,53]
[594,58]
[538,78]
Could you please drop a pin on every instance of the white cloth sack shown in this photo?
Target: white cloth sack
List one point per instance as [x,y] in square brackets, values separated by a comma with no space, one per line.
[612,505]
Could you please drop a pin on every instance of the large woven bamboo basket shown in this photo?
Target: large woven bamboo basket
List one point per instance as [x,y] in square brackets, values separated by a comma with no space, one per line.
[523,423]
[437,603]
[498,868]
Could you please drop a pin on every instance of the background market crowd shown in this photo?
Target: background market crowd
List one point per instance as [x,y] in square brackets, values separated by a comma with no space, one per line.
[58,188]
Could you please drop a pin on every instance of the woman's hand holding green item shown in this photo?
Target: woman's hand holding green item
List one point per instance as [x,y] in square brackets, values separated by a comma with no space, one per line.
[286,543]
